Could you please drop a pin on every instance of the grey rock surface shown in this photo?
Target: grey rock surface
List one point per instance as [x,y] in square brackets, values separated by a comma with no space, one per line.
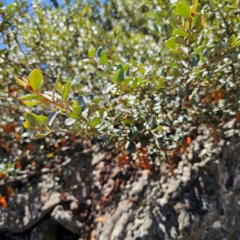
[27,210]
[201,202]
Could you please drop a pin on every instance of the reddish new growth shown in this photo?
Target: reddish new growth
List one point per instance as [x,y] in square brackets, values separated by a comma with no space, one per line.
[122,159]
[186,144]
[142,156]
[3,202]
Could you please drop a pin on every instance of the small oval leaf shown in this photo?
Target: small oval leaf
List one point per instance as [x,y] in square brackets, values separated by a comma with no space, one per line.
[70,121]
[31,119]
[52,116]
[28,97]
[20,82]
[31,103]
[103,57]
[35,79]
[179,32]
[95,121]
[66,90]
[183,9]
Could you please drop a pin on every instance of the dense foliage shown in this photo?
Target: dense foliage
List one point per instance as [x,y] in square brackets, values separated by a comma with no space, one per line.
[140,74]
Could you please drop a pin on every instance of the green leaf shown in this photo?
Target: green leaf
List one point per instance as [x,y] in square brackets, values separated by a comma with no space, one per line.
[196,21]
[96,100]
[238,43]
[179,32]
[232,40]
[28,97]
[183,9]
[52,116]
[118,76]
[55,85]
[66,90]
[59,87]
[194,7]
[77,109]
[181,41]
[136,82]
[42,118]
[35,79]
[91,52]
[31,119]
[41,135]
[102,74]
[20,82]
[82,101]
[73,115]
[103,57]
[75,103]
[95,121]
[199,49]
[171,43]
[160,83]
[92,109]
[109,88]
[158,128]
[31,103]
[98,53]
[70,121]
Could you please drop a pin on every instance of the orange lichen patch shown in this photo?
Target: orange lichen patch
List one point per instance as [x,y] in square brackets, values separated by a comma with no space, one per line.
[119,161]
[186,144]
[143,158]
[171,154]
[3,202]
[164,148]
[214,133]
[73,138]
[171,168]
[208,98]
[104,201]
[63,196]
[3,175]
[137,164]
[122,159]
[33,163]
[8,128]
[126,159]
[18,165]
[238,117]
[29,147]
[218,95]
[4,146]
[17,136]
[133,200]
[177,149]
[100,219]
[56,145]
[63,141]
[9,191]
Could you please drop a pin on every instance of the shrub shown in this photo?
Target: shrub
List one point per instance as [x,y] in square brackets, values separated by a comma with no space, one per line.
[149,102]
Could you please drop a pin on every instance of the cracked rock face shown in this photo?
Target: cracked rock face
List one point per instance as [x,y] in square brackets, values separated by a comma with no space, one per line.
[202,202]
[27,210]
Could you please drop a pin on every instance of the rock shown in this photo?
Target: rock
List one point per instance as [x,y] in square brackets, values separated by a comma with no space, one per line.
[66,219]
[46,230]
[37,204]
